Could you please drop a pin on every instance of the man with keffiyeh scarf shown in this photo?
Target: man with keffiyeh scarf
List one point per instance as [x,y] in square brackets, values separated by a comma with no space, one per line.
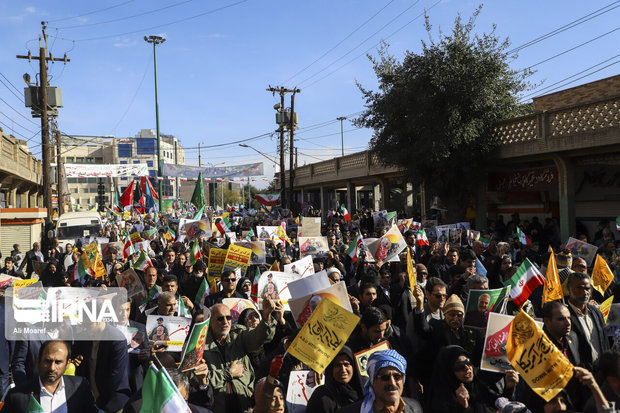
[382,392]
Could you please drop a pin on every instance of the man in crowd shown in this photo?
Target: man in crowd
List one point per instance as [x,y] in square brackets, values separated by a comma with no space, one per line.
[229,290]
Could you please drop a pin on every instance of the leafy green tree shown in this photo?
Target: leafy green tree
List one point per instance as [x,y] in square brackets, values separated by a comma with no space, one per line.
[434,111]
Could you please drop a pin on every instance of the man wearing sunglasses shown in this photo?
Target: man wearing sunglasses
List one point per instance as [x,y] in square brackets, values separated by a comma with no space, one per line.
[229,290]
[383,391]
[227,351]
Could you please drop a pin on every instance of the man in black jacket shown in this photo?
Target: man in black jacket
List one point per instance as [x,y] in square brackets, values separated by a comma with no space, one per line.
[51,389]
[586,320]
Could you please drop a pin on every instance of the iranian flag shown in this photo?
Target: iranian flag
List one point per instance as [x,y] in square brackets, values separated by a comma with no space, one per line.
[254,294]
[421,237]
[525,240]
[485,242]
[618,225]
[34,406]
[159,394]
[194,254]
[128,249]
[143,262]
[354,246]
[345,213]
[81,271]
[203,291]
[525,280]
[222,225]
[267,199]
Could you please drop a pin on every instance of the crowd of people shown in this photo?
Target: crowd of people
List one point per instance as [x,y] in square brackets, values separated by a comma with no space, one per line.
[432,361]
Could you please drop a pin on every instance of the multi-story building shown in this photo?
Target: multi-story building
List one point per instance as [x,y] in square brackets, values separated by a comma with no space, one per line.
[111,150]
[143,149]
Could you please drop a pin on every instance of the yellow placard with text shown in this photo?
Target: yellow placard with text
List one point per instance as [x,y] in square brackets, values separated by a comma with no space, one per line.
[135,237]
[534,356]
[411,272]
[237,257]
[323,335]
[552,289]
[217,257]
[606,307]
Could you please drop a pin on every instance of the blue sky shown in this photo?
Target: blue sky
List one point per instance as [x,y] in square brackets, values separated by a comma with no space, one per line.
[213,69]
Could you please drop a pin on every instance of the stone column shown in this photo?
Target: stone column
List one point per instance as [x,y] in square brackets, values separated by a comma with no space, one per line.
[351,197]
[408,188]
[12,201]
[323,198]
[566,192]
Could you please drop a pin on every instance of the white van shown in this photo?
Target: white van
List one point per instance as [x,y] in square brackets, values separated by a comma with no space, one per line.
[73,225]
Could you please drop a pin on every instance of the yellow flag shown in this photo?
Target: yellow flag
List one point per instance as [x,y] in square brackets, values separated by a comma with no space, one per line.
[606,306]
[552,289]
[323,335]
[126,215]
[601,275]
[275,266]
[282,234]
[99,268]
[411,270]
[543,367]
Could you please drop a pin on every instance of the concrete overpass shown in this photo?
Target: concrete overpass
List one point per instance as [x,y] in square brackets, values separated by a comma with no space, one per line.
[569,132]
[20,175]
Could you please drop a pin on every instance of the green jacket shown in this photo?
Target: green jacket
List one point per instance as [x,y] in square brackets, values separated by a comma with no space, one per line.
[239,343]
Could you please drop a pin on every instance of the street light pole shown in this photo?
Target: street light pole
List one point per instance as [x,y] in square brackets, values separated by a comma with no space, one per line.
[155,40]
[341,118]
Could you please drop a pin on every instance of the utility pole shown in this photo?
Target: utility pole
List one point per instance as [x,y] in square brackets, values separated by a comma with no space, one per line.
[155,40]
[59,168]
[291,131]
[284,123]
[199,156]
[341,118]
[41,107]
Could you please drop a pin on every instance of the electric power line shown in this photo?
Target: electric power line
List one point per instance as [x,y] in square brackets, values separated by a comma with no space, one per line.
[10,83]
[364,41]
[16,111]
[125,18]
[567,26]
[159,25]
[18,124]
[339,43]
[92,12]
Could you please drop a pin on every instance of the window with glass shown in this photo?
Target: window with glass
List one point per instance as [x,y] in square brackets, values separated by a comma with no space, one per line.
[145,146]
[124,150]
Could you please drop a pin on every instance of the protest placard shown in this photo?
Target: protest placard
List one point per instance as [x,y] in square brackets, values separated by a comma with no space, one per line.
[323,335]
[131,282]
[388,246]
[275,285]
[534,356]
[301,385]
[480,303]
[237,257]
[191,354]
[582,250]
[197,229]
[266,232]
[217,256]
[302,286]
[167,332]
[303,307]
[310,227]
[380,219]
[314,246]
[361,358]
[238,305]
[259,255]
[613,320]
[302,267]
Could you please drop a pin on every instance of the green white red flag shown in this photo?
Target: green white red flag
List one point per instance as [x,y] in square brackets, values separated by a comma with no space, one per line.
[128,249]
[195,253]
[354,246]
[525,240]
[268,199]
[524,281]
[345,213]
[422,238]
[144,261]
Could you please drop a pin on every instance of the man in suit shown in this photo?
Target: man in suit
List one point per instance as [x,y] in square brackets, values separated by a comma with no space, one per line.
[586,320]
[53,391]
[106,366]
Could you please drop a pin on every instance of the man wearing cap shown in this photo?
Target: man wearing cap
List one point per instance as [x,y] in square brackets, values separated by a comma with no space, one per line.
[441,333]
[383,391]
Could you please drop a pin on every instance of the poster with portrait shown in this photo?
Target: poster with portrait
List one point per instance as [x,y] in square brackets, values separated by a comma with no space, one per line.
[167,332]
[380,219]
[314,246]
[130,281]
[480,303]
[266,232]
[106,250]
[238,305]
[361,358]
[194,346]
[494,352]
[301,385]
[388,246]
[442,233]
[136,338]
[275,285]
[456,236]
[302,267]
[302,308]
[582,250]
[259,255]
